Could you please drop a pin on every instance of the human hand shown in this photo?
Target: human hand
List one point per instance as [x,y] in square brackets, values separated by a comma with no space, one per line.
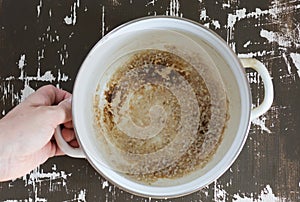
[26,132]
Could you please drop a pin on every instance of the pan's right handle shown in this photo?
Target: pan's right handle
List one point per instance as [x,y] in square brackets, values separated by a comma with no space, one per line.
[268,86]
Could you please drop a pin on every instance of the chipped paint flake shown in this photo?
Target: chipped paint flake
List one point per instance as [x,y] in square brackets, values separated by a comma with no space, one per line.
[226,5]
[105,184]
[26,91]
[279,38]
[151,2]
[38,177]
[216,24]
[296,59]
[247,44]
[72,18]
[81,196]
[232,18]
[266,195]
[219,193]
[174,8]
[62,77]
[103,22]
[203,15]
[242,14]
[68,20]
[289,68]
[21,62]
[39,7]
[116,3]
[259,53]
[206,25]
[261,122]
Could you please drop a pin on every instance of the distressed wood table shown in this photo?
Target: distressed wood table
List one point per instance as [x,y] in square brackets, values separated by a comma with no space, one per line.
[45,41]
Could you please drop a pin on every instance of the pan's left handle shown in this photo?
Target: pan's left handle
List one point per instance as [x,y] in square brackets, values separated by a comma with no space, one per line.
[65,147]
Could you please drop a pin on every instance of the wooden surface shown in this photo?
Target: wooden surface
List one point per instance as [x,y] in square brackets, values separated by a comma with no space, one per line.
[46,41]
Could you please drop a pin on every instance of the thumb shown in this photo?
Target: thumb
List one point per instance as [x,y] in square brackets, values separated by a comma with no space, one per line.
[63,112]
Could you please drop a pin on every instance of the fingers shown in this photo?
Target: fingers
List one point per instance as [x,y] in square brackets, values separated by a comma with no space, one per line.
[69,137]
[74,143]
[47,95]
[68,134]
[69,124]
[61,113]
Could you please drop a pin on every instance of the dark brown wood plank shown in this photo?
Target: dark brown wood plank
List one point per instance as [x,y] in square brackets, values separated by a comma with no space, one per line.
[53,38]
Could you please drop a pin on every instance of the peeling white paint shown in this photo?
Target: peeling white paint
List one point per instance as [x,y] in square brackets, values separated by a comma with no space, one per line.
[21,62]
[247,44]
[255,54]
[38,176]
[9,78]
[68,20]
[25,92]
[226,5]
[289,68]
[48,35]
[220,194]
[39,7]
[203,15]
[62,77]
[105,184]
[216,23]
[174,9]
[242,14]
[21,65]
[279,38]
[253,77]
[103,21]
[151,2]
[116,3]
[40,55]
[206,25]
[266,195]
[72,18]
[47,76]
[296,59]
[81,196]
[261,122]
[233,18]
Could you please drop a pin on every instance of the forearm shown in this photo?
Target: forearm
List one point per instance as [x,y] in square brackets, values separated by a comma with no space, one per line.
[6,144]
[4,156]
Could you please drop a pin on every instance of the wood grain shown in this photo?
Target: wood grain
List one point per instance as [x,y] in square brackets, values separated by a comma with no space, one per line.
[46,41]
